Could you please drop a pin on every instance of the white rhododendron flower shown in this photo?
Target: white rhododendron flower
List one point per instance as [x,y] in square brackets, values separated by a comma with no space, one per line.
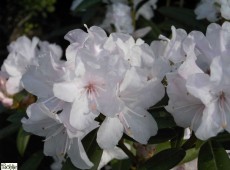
[213,10]
[118,15]
[225,9]
[49,116]
[146,10]
[111,75]
[198,95]
[207,9]
[22,53]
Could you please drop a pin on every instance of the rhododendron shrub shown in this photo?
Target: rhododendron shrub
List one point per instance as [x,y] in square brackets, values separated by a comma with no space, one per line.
[155,104]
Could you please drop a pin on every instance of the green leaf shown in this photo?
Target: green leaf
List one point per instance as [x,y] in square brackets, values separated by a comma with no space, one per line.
[224,139]
[86,4]
[22,141]
[163,135]
[12,128]
[68,165]
[191,154]
[162,146]
[155,31]
[165,160]
[16,117]
[212,156]
[184,16]
[178,140]
[33,162]
[163,119]
[121,164]
[92,149]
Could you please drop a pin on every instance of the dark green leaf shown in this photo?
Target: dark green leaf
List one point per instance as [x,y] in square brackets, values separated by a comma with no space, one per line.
[165,160]
[22,141]
[16,117]
[184,16]
[33,162]
[12,128]
[155,31]
[212,156]
[121,164]
[163,135]
[163,119]
[68,165]
[223,139]
[191,154]
[86,4]
[178,140]
[92,149]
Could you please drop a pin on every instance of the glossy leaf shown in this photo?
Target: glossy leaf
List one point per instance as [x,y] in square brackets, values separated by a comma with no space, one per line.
[92,149]
[224,139]
[212,156]
[163,119]
[165,160]
[121,164]
[68,165]
[33,162]
[163,135]
[22,141]
[191,154]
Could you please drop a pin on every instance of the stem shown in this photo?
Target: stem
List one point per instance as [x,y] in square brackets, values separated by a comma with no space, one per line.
[133,13]
[127,151]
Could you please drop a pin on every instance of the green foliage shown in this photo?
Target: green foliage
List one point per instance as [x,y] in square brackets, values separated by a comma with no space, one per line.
[22,141]
[38,5]
[121,164]
[33,162]
[212,156]
[165,160]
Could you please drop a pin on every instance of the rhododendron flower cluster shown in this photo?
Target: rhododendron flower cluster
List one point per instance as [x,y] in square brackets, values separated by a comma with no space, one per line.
[111,76]
[213,10]
[198,89]
[108,83]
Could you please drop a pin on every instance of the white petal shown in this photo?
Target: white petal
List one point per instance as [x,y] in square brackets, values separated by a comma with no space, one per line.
[80,116]
[13,85]
[184,107]
[140,127]
[34,82]
[111,154]
[78,155]
[109,133]
[65,91]
[199,86]
[211,123]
